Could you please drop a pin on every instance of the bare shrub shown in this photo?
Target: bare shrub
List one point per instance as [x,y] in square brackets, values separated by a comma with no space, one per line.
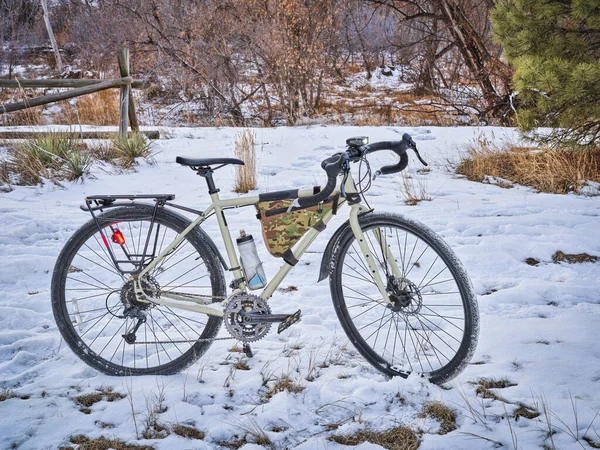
[245,176]
[557,171]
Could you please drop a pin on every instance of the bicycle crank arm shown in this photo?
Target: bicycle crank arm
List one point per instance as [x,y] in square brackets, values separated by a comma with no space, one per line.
[266,318]
[287,320]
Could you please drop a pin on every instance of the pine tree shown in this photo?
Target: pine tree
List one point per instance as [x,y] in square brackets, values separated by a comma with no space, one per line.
[554,46]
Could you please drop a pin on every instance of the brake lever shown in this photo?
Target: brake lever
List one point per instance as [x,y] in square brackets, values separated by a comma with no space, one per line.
[419,156]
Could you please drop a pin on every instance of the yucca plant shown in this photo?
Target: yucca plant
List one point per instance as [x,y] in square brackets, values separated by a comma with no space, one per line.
[132,146]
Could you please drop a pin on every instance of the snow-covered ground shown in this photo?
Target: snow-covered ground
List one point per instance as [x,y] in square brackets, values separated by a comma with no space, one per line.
[539,324]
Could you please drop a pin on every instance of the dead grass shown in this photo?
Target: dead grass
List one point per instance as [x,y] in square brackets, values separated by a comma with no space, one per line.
[241,364]
[100,108]
[29,116]
[5,394]
[559,257]
[283,383]
[485,386]
[102,393]
[441,413]
[413,189]
[54,156]
[557,171]
[591,442]
[245,176]
[398,438]
[526,412]
[188,432]
[102,443]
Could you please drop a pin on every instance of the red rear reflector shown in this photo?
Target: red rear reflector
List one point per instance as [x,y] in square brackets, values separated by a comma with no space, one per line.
[118,237]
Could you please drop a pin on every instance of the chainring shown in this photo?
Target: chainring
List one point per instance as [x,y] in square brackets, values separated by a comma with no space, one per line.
[236,311]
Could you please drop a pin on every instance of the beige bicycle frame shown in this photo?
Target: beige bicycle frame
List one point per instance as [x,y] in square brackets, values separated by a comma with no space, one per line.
[217,206]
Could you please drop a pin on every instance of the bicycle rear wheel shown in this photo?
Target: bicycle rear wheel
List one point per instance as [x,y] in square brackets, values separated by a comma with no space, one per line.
[95,306]
[431,325]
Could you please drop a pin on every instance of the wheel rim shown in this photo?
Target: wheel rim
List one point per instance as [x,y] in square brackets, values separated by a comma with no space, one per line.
[423,329]
[97,295]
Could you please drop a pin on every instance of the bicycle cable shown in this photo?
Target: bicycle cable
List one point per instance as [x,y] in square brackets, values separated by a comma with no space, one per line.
[367,175]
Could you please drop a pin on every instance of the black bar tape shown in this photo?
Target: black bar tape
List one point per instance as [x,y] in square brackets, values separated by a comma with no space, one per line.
[332,166]
[386,170]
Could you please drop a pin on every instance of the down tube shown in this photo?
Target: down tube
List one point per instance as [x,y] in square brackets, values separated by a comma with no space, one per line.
[300,249]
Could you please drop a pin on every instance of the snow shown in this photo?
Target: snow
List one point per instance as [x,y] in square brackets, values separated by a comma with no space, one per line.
[538,323]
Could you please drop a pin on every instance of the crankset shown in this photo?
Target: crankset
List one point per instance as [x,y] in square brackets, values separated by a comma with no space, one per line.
[248,318]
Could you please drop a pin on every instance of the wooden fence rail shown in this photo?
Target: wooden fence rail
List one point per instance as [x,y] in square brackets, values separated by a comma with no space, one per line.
[127,115]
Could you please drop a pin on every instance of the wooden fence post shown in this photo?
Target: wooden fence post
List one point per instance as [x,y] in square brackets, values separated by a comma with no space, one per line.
[123,58]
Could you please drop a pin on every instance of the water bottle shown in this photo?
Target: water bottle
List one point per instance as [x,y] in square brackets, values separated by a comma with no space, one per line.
[251,264]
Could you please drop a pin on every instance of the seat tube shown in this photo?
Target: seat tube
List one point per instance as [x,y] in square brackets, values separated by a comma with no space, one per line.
[226,235]
[356,209]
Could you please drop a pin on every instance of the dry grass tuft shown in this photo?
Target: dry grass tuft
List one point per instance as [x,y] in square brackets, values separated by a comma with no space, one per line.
[557,171]
[591,442]
[284,383]
[414,189]
[245,149]
[441,413]
[559,257]
[101,443]
[54,156]
[526,412]
[398,438]
[103,393]
[531,262]
[484,386]
[241,364]
[288,289]
[100,108]
[188,432]
[29,116]
[5,394]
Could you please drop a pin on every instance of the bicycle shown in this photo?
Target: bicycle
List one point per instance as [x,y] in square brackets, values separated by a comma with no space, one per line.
[140,289]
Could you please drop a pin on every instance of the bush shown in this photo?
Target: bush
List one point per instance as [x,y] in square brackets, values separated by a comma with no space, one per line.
[557,171]
[134,145]
[56,155]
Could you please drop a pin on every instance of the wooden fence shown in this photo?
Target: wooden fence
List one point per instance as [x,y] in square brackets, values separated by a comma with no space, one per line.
[127,115]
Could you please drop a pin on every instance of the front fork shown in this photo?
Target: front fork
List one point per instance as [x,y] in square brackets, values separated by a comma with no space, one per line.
[388,257]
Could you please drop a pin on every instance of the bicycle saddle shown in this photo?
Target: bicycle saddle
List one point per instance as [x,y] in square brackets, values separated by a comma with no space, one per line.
[206,162]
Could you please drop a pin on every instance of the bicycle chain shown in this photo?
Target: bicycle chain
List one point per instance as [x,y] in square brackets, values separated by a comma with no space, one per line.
[186,341]
[187,294]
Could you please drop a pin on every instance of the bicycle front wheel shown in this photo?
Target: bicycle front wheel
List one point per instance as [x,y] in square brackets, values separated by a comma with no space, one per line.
[431,324]
[95,306]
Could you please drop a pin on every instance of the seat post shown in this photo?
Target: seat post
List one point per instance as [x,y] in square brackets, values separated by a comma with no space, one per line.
[206,172]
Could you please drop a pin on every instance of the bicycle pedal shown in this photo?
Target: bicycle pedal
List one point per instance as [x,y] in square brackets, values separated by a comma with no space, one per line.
[289,321]
[247,350]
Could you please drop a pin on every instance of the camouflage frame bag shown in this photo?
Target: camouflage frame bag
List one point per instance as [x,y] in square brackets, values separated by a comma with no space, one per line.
[281,229]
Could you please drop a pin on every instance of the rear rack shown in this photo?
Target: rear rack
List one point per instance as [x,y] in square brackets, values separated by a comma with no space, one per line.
[135,260]
[106,201]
